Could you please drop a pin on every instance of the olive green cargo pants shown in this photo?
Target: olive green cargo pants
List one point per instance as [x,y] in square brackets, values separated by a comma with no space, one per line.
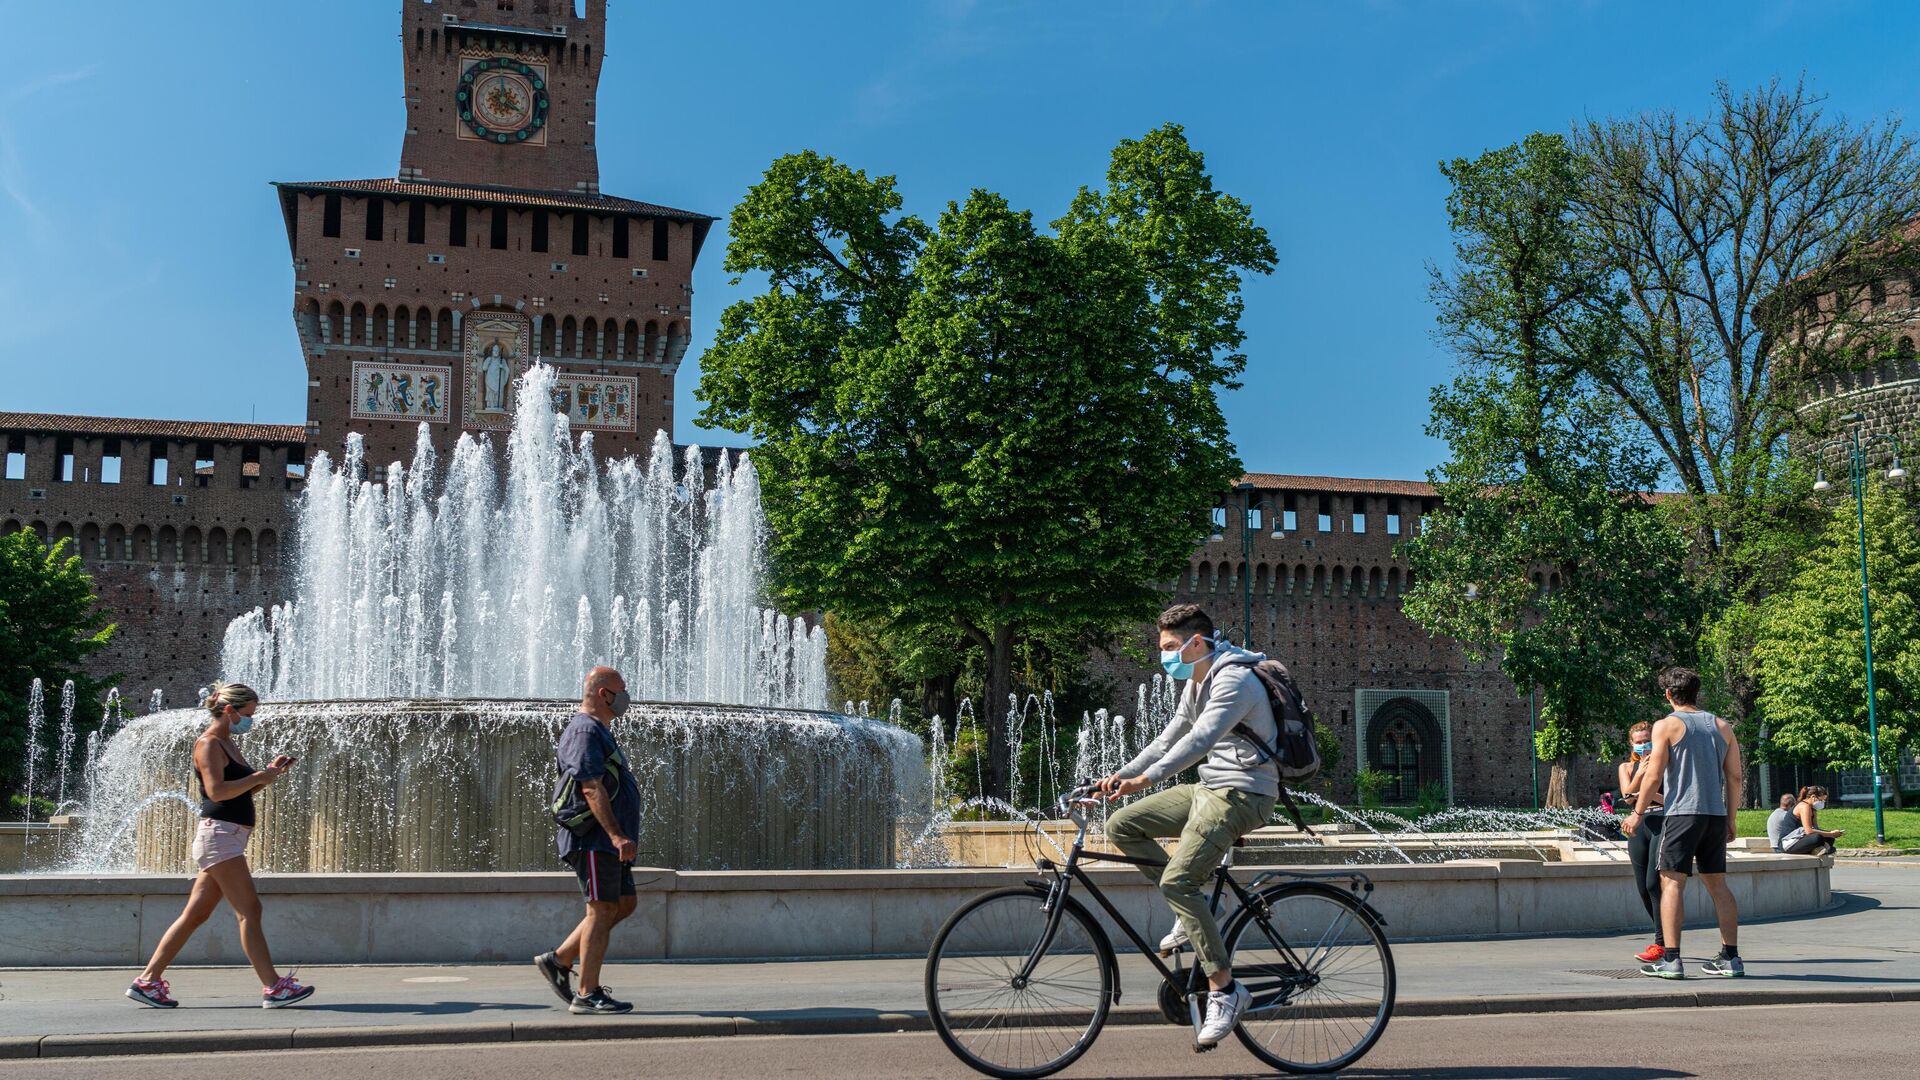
[1207,821]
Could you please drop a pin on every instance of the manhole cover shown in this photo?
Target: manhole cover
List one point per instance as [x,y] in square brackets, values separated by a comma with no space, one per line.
[1608,973]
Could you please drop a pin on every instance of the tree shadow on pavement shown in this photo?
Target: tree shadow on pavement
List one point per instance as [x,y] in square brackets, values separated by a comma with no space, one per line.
[1487,1073]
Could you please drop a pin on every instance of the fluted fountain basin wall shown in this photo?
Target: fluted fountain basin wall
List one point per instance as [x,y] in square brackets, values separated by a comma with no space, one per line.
[429,786]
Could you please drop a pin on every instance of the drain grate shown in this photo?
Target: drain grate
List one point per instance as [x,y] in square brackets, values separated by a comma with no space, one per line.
[1608,973]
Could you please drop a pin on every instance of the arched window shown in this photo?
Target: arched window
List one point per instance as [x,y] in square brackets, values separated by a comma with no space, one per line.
[630,348]
[380,336]
[1905,348]
[89,541]
[169,543]
[192,549]
[443,331]
[117,543]
[142,544]
[336,328]
[1879,295]
[590,339]
[356,325]
[546,336]
[242,548]
[1404,741]
[568,331]
[218,551]
[269,549]
[314,330]
[656,345]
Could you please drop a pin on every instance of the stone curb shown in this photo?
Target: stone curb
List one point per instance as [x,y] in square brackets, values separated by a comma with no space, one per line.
[852,1023]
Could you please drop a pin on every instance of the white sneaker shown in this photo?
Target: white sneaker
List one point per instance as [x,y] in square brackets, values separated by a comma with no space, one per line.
[1176,939]
[1223,1015]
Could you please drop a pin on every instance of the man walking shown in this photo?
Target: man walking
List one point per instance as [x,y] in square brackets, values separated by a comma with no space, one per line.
[1696,763]
[596,804]
[1238,786]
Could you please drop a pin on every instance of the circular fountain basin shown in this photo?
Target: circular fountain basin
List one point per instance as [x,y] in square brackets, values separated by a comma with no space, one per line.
[450,785]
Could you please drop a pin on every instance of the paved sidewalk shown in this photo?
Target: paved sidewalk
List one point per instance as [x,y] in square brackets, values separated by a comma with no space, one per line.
[1865,948]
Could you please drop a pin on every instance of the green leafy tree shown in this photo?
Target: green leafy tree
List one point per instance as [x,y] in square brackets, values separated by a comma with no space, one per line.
[49,625]
[976,426]
[1545,553]
[1809,647]
[1753,247]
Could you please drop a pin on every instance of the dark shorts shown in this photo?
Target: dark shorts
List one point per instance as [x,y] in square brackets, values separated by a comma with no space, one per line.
[1689,839]
[603,878]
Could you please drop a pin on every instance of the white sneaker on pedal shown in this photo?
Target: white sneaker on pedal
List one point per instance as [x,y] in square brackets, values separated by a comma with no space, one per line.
[1224,1008]
[1176,939]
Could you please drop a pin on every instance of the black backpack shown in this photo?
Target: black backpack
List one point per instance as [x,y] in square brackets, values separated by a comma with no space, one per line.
[1297,755]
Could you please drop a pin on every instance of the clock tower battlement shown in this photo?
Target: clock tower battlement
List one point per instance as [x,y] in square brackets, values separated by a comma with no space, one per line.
[502,92]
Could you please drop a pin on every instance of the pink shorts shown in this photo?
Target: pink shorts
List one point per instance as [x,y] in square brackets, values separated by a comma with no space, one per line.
[215,842]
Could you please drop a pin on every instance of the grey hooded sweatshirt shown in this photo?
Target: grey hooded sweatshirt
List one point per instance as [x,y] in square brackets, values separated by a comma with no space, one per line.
[1202,727]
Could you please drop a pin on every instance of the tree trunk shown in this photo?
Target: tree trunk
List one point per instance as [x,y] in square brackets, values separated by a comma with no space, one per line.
[1556,797]
[999,687]
[936,699]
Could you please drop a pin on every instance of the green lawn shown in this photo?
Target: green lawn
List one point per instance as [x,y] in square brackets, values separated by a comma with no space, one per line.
[1903,826]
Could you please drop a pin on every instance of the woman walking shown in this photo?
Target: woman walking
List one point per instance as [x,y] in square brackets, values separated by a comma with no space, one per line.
[226,784]
[1646,839]
[1809,838]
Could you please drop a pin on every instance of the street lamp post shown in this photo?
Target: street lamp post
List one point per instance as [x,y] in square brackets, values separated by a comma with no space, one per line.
[1857,472]
[1252,506]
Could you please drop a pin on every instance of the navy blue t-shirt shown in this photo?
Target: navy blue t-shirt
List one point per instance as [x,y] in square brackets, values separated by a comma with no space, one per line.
[585,746]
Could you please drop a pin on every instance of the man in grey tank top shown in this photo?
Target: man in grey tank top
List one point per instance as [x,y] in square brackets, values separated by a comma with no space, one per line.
[1696,763]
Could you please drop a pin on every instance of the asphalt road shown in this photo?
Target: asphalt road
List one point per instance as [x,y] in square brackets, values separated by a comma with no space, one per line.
[1859,1042]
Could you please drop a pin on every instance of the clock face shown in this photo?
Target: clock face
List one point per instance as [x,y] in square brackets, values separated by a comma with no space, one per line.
[503,100]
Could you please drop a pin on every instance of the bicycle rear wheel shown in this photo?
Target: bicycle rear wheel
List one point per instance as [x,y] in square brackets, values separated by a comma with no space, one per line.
[998,1023]
[1321,977]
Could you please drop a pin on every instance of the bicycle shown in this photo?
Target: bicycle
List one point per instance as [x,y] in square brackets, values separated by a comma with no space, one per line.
[1020,980]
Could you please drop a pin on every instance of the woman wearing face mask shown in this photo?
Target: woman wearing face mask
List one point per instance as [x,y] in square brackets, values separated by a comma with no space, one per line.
[1810,838]
[1646,839]
[226,783]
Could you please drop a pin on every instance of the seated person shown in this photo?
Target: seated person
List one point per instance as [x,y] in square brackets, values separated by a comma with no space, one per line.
[1809,838]
[1780,822]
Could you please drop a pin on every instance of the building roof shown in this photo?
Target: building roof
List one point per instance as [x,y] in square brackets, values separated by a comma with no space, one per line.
[156,429]
[427,189]
[1341,485]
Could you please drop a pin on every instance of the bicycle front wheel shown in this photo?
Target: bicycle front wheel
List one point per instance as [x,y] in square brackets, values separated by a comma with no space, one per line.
[995,1020]
[1321,977]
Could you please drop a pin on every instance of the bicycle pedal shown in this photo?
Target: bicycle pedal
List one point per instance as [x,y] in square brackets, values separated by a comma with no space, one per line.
[1202,1048]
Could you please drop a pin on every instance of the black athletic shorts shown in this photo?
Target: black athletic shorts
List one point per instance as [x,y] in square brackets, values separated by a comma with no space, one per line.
[1687,839]
[603,878]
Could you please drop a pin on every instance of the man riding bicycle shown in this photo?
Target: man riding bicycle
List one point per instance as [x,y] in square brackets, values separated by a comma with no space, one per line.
[1239,784]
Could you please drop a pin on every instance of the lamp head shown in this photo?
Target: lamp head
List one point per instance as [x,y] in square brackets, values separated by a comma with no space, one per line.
[1896,473]
[1851,418]
[1821,484]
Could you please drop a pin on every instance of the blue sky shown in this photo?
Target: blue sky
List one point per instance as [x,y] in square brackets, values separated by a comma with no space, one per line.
[143,265]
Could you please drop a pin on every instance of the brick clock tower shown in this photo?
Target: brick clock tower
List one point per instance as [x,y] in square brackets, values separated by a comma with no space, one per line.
[421,298]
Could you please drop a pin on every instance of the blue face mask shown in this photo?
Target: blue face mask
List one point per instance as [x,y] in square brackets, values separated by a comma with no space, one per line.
[1643,748]
[240,724]
[1175,667]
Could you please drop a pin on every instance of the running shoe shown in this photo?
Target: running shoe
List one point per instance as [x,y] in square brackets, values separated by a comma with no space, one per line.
[558,976]
[1668,967]
[151,992]
[599,1002]
[1727,967]
[1224,1008]
[1175,940]
[1651,953]
[287,991]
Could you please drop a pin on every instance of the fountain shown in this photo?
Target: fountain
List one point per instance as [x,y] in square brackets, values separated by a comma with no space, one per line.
[441,622]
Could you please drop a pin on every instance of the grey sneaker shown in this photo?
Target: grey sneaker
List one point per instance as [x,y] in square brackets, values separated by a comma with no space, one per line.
[599,1002]
[1667,967]
[1727,967]
[558,977]
[1223,1015]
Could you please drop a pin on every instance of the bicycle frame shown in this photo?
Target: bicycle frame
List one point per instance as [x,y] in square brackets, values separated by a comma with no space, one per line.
[1062,887]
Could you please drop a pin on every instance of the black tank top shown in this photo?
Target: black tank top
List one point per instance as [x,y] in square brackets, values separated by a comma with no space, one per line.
[237,810]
